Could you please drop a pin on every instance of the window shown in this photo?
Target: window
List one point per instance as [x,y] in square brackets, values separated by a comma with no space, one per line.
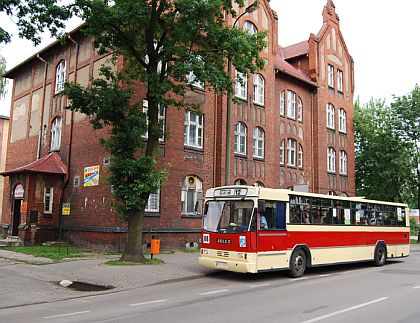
[282,152]
[240,182]
[330,116]
[192,78]
[330,76]
[282,103]
[56,134]
[340,80]
[258,89]
[240,138]
[76,181]
[250,27]
[241,85]
[193,130]
[291,104]
[48,199]
[60,77]
[192,195]
[343,162]
[291,152]
[331,160]
[153,202]
[161,120]
[258,143]
[342,120]
[300,157]
[300,110]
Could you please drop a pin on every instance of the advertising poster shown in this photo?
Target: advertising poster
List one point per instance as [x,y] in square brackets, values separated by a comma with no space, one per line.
[91,176]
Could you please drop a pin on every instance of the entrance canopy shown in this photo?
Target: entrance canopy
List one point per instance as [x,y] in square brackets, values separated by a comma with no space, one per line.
[49,164]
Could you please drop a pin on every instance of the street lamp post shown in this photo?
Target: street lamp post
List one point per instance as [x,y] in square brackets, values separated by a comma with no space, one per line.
[249,9]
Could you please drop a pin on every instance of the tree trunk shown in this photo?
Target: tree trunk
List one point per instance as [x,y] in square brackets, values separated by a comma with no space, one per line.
[133,251]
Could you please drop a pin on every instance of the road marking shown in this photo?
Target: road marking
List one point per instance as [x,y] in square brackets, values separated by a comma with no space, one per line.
[149,302]
[417,287]
[324,275]
[259,285]
[67,314]
[319,318]
[297,279]
[214,292]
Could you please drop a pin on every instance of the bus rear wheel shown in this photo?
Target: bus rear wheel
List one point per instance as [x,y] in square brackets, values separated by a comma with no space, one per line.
[297,263]
[380,255]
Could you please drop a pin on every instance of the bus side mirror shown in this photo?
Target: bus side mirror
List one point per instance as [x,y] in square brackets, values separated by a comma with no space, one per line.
[261,206]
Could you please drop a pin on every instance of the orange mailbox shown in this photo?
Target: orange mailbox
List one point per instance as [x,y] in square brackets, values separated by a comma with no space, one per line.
[155,246]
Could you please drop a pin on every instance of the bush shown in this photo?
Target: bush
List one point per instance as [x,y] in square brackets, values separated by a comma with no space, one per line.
[414,228]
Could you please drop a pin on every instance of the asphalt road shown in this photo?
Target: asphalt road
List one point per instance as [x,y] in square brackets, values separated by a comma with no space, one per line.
[348,293]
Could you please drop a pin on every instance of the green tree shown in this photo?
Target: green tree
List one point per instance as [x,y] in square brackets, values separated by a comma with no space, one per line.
[3,81]
[167,45]
[382,159]
[406,112]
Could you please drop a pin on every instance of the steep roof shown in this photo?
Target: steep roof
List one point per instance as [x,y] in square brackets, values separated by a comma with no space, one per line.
[49,164]
[284,67]
[296,50]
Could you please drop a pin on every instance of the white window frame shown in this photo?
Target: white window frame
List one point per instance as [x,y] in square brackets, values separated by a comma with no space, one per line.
[331,160]
[300,110]
[258,89]
[339,80]
[343,162]
[48,199]
[240,138]
[250,27]
[330,116]
[258,142]
[291,104]
[282,103]
[161,120]
[197,190]
[300,156]
[153,203]
[291,152]
[193,122]
[60,76]
[282,143]
[241,90]
[56,128]
[330,76]
[342,120]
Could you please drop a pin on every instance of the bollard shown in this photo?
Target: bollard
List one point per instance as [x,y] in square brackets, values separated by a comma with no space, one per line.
[154,246]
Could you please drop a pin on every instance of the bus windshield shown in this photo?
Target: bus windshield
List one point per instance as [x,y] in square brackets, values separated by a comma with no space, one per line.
[228,216]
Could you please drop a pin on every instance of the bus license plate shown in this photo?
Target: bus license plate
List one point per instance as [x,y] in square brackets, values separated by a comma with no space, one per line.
[221,264]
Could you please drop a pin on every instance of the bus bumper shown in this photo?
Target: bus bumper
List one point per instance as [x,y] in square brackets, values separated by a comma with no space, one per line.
[210,259]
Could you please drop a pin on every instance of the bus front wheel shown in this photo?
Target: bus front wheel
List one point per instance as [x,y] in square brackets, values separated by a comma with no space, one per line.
[380,255]
[297,263]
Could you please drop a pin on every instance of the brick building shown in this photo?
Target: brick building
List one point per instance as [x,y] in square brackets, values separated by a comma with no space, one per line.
[292,128]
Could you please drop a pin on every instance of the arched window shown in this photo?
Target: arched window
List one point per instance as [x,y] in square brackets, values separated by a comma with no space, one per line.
[258,89]
[291,152]
[300,110]
[291,104]
[192,195]
[60,76]
[240,138]
[250,27]
[300,157]
[241,85]
[342,120]
[258,184]
[56,134]
[331,160]
[282,152]
[282,103]
[258,143]
[330,116]
[240,182]
[343,162]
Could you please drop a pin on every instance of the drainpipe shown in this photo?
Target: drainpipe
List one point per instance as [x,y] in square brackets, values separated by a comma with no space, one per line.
[312,140]
[38,154]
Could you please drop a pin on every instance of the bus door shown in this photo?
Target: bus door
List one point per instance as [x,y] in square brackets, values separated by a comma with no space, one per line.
[271,225]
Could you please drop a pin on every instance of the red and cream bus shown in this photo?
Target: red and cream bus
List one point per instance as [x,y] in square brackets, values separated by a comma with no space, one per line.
[300,230]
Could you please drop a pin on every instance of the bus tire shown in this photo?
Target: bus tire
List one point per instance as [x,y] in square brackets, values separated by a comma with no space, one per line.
[380,255]
[297,263]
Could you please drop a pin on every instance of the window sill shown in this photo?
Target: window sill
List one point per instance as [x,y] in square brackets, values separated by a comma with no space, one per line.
[258,104]
[331,172]
[239,155]
[55,149]
[151,214]
[241,98]
[332,129]
[343,132]
[191,215]
[194,149]
[261,159]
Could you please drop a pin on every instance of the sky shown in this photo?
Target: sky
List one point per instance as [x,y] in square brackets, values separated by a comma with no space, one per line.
[381,36]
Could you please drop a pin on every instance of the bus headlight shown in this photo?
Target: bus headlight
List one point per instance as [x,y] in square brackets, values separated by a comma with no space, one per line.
[241,255]
[205,251]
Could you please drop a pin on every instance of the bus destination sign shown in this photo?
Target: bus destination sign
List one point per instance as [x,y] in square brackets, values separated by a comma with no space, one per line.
[230,192]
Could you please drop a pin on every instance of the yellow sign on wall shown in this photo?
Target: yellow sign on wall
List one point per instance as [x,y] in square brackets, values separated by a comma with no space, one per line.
[91,176]
[66,209]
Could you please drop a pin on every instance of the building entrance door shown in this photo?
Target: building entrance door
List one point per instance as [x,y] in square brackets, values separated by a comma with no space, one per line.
[16,216]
